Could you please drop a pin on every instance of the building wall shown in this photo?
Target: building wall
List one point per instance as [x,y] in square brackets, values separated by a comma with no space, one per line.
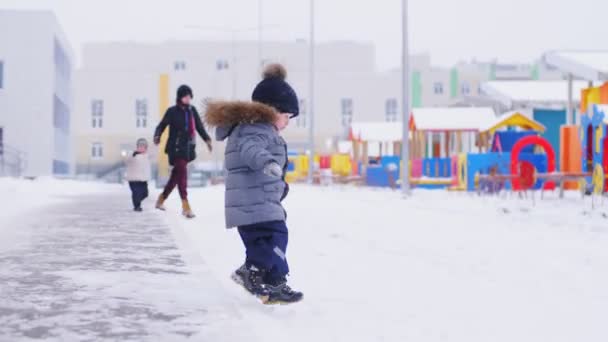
[119,73]
[117,129]
[31,86]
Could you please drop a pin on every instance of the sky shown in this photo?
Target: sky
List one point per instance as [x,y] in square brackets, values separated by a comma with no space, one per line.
[448,30]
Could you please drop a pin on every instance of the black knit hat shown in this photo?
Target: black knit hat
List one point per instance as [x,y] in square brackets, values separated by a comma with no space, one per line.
[275,92]
[182,91]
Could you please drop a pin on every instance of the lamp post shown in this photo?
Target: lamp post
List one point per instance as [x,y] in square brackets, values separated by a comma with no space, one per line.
[311,95]
[260,33]
[405,92]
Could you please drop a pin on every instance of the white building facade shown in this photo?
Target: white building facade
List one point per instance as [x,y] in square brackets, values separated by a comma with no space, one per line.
[118,87]
[35,92]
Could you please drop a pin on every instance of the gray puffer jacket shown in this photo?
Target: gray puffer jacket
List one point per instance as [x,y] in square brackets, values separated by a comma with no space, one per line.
[253,142]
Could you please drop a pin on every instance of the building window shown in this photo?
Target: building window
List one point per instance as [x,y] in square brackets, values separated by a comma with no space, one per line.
[347,112]
[465,88]
[438,88]
[61,115]
[97,150]
[301,119]
[179,65]
[222,64]
[1,74]
[62,62]
[97,113]
[390,110]
[141,113]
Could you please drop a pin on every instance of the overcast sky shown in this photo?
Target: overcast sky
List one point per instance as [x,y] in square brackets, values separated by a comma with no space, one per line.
[450,30]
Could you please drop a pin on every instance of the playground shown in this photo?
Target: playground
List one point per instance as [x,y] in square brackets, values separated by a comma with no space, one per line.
[525,152]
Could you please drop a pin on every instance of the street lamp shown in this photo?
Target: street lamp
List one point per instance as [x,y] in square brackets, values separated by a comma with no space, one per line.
[311,95]
[260,33]
[405,92]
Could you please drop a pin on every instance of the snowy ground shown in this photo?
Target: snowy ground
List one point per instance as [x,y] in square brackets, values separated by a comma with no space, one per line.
[373,267]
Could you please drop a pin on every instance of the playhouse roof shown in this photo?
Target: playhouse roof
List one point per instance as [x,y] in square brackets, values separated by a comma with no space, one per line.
[426,119]
[452,118]
[376,131]
[589,65]
[531,92]
[517,119]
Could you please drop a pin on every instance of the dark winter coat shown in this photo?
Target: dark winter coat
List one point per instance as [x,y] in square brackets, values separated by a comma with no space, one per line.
[252,143]
[180,143]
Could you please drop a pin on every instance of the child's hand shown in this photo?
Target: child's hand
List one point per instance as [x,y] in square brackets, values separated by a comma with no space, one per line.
[273,169]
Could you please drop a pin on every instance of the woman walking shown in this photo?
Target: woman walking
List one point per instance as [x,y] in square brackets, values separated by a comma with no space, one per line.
[184,122]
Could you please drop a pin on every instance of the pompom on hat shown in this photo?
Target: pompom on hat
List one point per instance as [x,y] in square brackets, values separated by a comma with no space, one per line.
[275,92]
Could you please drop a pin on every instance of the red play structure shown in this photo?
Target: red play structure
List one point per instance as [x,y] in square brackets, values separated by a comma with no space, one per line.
[525,169]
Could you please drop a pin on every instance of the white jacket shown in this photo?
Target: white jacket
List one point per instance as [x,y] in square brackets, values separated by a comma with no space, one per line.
[138,168]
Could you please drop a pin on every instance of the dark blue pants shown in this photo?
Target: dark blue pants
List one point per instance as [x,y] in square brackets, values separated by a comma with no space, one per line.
[139,192]
[265,245]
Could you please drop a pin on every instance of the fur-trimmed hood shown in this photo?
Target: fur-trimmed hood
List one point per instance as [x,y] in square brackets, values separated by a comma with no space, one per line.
[225,115]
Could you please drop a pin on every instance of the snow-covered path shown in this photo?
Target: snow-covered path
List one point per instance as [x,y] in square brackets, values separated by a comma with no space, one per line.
[89,269]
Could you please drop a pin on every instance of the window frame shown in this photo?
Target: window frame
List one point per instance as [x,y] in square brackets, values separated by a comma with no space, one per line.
[141,113]
[96,150]
[465,85]
[97,109]
[391,110]
[347,110]
[438,88]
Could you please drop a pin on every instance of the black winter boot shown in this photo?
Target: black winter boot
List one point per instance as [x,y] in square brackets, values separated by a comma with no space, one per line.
[281,293]
[251,278]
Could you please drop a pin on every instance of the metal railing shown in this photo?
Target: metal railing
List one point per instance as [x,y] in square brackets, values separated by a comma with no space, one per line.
[114,173]
[12,161]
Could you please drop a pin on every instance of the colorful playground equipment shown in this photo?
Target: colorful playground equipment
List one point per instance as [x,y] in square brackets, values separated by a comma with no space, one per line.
[339,165]
[476,151]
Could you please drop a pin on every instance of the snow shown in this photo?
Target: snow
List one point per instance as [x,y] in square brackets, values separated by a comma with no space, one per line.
[456,118]
[589,65]
[377,131]
[533,91]
[439,266]
[21,197]
[597,60]
[427,119]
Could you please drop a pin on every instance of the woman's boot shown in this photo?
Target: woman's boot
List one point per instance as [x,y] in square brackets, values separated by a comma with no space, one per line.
[160,202]
[186,211]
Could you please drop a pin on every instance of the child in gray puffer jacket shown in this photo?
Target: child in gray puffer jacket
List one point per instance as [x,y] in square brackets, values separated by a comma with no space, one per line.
[256,161]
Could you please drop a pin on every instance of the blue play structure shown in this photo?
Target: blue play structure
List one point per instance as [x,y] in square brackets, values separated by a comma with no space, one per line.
[508,138]
[437,167]
[593,136]
[552,120]
[378,174]
[485,163]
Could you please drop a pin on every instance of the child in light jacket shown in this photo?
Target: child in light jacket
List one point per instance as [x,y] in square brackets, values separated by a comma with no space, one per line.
[139,173]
